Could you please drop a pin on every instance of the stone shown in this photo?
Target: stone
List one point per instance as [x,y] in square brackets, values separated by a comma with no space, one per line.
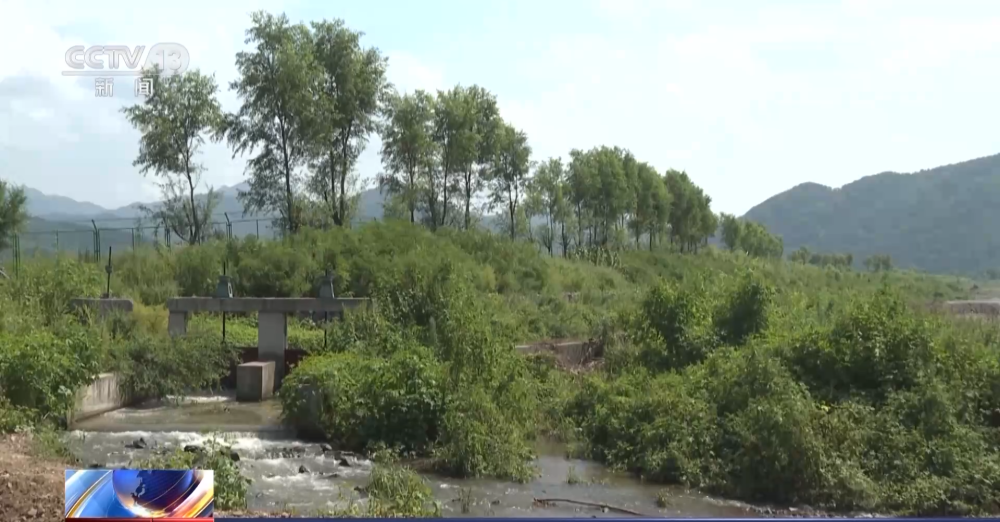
[303,469]
[255,381]
[191,448]
[233,456]
[344,462]
[325,447]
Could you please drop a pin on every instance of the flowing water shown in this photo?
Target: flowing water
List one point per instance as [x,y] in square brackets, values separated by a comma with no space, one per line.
[290,475]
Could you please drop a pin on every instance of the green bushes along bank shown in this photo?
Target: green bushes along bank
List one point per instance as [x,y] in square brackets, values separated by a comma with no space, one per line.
[755,379]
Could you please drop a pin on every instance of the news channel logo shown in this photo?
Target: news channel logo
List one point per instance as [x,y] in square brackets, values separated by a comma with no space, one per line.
[131,493]
[122,60]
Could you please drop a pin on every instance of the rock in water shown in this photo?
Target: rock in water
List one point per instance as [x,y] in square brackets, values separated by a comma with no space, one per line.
[344,462]
[303,469]
[325,447]
[235,457]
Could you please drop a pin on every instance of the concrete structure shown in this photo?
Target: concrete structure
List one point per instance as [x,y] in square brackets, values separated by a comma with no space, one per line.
[255,381]
[272,318]
[984,309]
[101,396]
[102,305]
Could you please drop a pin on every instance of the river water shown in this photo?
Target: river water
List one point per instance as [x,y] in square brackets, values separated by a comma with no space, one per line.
[290,475]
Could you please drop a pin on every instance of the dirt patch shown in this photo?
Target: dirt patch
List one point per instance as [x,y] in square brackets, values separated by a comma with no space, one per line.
[31,487]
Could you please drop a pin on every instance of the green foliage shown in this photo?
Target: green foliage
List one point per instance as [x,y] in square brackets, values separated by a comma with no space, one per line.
[41,370]
[230,486]
[880,407]
[879,263]
[396,490]
[152,366]
[13,212]
[748,377]
[173,122]
[356,400]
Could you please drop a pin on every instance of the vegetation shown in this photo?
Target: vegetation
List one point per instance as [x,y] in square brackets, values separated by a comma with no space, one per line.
[937,220]
[735,371]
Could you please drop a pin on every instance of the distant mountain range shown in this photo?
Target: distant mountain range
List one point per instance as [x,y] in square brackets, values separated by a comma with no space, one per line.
[938,220]
[62,223]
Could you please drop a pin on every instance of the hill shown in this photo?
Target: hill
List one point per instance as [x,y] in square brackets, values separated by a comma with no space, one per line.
[938,220]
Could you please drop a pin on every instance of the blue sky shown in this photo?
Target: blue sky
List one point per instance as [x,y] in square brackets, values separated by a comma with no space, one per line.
[750,97]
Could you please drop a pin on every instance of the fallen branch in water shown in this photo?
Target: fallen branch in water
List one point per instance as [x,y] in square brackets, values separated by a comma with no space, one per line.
[590,504]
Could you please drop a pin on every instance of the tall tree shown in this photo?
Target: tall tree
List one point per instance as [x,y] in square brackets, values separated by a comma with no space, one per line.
[353,85]
[731,228]
[174,122]
[455,140]
[408,148]
[511,164]
[652,204]
[13,212]
[279,81]
[482,118]
[547,183]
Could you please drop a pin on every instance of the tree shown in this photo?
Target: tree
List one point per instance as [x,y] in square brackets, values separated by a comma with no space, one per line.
[455,140]
[731,230]
[652,204]
[353,85]
[174,122]
[279,82]
[879,263]
[509,172]
[691,218]
[482,119]
[547,184]
[408,149]
[13,212]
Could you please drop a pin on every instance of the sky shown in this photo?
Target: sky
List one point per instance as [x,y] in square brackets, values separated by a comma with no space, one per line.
[749,97]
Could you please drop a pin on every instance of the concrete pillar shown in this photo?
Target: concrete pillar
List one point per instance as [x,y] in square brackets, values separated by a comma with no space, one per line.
[272,339]
[177,323]
[255,381]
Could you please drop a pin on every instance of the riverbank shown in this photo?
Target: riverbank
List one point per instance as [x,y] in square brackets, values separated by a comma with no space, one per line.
[31,482]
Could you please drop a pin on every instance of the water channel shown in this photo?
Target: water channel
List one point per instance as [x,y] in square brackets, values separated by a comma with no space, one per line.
[291,475]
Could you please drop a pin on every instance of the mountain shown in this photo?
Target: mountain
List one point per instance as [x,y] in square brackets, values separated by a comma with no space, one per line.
[64,224]
[40,204]
[938,220]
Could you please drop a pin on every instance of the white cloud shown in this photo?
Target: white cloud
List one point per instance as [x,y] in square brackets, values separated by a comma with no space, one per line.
[408,73]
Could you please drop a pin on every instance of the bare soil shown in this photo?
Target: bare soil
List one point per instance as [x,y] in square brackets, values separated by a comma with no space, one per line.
[31,487]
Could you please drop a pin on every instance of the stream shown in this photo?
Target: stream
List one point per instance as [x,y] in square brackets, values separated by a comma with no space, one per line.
[291,475]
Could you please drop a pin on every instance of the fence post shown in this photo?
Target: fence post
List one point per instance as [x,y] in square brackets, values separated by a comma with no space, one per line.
[97,242]
[57,241]
[229,227]
[258,227]
[17,255]
[133,243]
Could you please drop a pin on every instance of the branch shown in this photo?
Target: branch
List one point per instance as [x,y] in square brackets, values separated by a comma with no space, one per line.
[590,504]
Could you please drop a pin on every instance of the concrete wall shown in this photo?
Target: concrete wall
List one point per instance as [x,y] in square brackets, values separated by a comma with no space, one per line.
[986,309]
[99,397]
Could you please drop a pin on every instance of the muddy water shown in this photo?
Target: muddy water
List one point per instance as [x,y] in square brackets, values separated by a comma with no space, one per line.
[291,475]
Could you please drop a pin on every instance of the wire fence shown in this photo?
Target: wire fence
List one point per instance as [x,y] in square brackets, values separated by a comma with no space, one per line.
[90,244]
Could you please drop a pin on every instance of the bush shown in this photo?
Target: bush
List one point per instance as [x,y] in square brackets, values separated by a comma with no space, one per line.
[356,400]
[230,485]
